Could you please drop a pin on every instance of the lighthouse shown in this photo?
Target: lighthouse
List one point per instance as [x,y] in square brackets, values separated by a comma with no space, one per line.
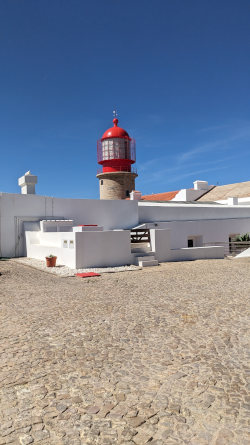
[116,154]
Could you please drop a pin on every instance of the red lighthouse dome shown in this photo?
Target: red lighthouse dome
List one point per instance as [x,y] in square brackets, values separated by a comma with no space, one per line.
[115,132]
[116,150]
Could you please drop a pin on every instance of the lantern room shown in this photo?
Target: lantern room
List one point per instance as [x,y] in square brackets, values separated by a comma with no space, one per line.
[116,150]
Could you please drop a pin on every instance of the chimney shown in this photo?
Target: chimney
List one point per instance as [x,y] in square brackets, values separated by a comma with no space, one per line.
[232,201]
[201,185]
[28,183]
[135,195]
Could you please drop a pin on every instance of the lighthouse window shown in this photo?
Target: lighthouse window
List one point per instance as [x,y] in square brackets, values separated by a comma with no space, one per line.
[116,148]
[101,181]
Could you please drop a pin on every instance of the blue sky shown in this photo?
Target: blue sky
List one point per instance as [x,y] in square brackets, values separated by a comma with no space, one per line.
[177,71]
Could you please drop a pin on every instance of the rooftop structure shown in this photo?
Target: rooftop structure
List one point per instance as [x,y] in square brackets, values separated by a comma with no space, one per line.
[27,182]
[219,193]
[183,195]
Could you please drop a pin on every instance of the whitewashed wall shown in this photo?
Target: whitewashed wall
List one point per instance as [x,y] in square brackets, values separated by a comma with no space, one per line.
[103,249]
[160,240]
[14,209]
[213,223]
[197,253]
[188,195]
[210,231]
[90,249]
[151,212]
[42,244]
[161,245]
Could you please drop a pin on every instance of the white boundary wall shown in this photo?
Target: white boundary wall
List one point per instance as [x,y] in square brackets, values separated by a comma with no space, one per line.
[211,223]
[151,212]
[15,209]
[161,245]
[212,231]
[82,249]
[103,249]
[42,244]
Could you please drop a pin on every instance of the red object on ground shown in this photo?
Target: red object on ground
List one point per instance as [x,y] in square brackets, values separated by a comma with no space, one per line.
[51,261]
[87,274]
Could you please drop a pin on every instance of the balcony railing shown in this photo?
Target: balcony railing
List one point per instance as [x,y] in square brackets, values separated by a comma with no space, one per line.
[231,248]
[119,169]
[140,236]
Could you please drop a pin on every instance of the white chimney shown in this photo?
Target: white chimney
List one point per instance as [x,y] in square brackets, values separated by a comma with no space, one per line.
[233,201]
[135,195]
[201,185]
[28,183]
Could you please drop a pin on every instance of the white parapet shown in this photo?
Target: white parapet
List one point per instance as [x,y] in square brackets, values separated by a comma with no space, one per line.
[56,225]
[88,228]
[82,249]
[27,182]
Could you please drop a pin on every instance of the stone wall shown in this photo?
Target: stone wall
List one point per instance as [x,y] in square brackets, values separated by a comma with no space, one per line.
[116,185]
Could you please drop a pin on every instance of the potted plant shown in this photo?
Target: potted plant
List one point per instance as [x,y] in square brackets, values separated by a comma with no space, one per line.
[51,260]
[242,242]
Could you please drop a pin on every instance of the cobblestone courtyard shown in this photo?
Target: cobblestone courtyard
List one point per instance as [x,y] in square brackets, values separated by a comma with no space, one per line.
[158,355]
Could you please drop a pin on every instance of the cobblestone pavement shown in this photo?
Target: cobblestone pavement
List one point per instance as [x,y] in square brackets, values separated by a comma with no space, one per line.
[158,355]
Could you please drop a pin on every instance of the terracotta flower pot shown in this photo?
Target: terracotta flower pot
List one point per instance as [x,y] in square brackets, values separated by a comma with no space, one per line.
[51,261]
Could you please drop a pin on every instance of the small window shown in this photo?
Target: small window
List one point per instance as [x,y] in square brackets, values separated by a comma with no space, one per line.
[127,193]
[65,243]
[101,181]
[71,244]
[195,241]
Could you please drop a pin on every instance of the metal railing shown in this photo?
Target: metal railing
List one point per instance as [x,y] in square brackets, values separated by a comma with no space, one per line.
[231,248]
[119,169]
[140,236]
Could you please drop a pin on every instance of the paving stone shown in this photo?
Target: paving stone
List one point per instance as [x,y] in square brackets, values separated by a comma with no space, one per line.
[105,409]
[26,439]
[136,421]
[156,356]
[38,427]
[93,410]
[76,399]
[41,435]
[142,438]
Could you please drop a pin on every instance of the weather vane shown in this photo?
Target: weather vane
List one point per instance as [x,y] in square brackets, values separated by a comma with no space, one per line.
[115,113]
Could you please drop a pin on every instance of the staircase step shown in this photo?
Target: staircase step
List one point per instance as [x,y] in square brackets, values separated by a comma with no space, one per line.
[144,258]
[148,263]
[139,254]
[141,249]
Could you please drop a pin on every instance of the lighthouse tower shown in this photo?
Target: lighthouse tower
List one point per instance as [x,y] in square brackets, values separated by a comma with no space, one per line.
[116,154]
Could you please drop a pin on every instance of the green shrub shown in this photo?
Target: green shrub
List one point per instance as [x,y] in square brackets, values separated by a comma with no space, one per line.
[243,238]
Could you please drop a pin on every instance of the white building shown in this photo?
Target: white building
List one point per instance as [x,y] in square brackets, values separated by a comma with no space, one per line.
[37,226]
